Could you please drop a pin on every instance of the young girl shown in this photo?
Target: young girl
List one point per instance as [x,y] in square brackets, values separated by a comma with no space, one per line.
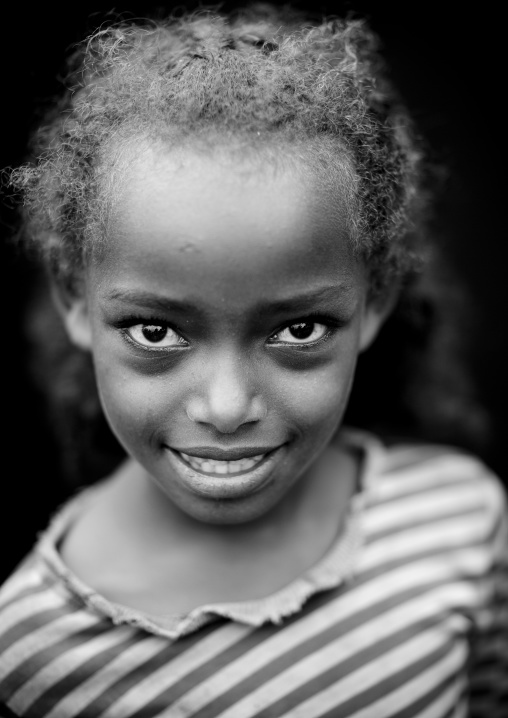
[229,211]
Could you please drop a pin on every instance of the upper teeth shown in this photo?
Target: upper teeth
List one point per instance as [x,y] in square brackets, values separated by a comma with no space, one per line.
[210,466]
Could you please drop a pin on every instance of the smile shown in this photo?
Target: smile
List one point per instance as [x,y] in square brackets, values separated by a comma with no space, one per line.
[225,474]
[212,467]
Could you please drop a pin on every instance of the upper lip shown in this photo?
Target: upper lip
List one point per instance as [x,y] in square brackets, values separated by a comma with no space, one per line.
[217,454]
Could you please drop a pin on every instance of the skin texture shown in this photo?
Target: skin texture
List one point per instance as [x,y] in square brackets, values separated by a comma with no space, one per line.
[233,243]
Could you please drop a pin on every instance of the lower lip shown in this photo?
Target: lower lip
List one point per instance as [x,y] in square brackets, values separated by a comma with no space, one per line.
[220,486]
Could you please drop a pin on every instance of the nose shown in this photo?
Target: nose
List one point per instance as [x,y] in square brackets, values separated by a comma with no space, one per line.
[225,397]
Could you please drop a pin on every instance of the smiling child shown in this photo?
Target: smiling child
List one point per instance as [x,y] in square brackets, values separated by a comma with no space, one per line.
[227,208]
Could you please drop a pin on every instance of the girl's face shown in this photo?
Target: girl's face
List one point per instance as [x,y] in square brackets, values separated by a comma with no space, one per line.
[225,319]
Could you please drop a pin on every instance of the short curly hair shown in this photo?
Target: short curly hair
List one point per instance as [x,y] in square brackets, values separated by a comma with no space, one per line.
[276,83]
[264,75]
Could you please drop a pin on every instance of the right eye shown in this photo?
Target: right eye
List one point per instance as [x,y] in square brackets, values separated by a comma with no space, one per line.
[155,336]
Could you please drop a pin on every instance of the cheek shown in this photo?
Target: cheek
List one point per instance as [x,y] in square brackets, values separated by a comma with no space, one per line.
[317,399]
[133,405]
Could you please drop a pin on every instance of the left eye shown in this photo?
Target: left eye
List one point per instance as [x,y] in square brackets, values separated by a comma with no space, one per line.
[301,333]
[155,335]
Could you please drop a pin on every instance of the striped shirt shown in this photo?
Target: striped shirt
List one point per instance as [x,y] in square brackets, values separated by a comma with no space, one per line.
[405,617]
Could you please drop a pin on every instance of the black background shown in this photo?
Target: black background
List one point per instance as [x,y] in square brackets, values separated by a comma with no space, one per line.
[448,65]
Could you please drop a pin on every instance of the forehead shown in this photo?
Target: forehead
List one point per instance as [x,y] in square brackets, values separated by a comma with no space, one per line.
[218,217]
[193,196]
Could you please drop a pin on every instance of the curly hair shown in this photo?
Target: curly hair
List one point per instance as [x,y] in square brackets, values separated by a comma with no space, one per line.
[262,75]
[265,78]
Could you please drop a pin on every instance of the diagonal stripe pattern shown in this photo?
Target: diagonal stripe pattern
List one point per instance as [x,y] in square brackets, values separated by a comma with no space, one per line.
[396,640]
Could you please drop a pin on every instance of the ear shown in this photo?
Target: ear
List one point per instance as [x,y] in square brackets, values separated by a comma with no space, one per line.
[375,313]
[74,313]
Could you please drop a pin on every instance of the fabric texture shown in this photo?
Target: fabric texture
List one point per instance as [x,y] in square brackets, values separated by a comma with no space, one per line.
[406,616]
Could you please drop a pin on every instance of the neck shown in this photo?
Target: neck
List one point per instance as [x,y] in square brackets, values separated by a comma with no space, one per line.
[325,489]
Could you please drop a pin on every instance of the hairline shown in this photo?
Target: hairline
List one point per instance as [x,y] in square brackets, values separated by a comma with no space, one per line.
[311,159]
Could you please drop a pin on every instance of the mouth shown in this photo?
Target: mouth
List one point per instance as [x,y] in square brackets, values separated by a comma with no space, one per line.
[225,478]
[218,467]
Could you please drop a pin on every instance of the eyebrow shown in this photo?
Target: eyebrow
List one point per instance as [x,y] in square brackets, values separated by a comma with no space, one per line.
[330,294]
[335,293]
[151,301]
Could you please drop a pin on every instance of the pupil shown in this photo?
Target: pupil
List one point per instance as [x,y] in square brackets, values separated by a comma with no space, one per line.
[154,333]
[302,331]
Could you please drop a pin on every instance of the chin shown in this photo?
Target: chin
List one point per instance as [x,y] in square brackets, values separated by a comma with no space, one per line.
[226,512]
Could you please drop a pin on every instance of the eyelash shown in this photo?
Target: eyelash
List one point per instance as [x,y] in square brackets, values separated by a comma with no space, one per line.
[131,322]
[331,324]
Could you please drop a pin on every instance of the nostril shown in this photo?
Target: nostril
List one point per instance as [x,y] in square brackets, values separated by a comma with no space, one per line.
[259,409]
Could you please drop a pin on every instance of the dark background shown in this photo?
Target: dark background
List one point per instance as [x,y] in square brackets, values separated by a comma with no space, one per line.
[447,64]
